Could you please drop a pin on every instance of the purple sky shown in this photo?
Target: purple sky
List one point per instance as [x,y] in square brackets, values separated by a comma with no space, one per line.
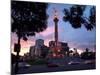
[76,38]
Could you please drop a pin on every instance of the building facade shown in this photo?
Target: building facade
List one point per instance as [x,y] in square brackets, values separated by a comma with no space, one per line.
[39,50]
[62,48]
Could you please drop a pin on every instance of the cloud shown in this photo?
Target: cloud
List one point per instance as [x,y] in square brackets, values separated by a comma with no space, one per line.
[48,31]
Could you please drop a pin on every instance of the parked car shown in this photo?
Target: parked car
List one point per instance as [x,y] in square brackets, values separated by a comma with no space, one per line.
[74,63]
[90,62]
[22,65]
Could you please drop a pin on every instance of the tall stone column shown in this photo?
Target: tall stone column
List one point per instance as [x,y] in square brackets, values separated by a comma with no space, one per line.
[56,30]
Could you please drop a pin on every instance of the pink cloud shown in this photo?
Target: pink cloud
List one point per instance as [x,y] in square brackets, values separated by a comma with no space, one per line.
[48,31]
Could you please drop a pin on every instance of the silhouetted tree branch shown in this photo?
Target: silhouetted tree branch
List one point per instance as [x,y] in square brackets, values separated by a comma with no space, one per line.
[75,16]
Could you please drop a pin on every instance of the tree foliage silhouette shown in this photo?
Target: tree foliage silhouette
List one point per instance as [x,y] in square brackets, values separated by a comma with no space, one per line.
[27,19]
[87,54]
[75,16]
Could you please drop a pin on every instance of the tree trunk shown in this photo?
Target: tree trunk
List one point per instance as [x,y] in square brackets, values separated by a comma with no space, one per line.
[17,56]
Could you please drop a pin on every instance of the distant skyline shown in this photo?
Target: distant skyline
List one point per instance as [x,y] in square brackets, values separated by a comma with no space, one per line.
[76,38]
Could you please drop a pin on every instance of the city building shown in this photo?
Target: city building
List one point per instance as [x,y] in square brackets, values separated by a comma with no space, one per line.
[65,48]
[39,49]
[62,48]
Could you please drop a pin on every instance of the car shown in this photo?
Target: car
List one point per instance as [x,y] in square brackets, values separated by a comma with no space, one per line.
[90,62]
[74,63]
[23,65]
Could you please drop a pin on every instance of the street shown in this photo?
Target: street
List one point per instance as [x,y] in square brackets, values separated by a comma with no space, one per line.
[44,68]
[64,64]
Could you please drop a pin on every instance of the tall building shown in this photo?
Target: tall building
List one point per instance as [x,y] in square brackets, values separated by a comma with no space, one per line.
[39,42]
[65,48]
[39,50]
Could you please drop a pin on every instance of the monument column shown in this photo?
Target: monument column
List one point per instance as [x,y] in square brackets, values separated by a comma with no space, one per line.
[56,30]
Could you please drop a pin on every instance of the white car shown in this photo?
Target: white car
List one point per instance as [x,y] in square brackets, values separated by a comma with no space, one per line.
[89,62]
[74,63]
[23,65]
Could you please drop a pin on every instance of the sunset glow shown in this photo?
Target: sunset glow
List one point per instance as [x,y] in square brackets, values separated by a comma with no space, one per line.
[76,38]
